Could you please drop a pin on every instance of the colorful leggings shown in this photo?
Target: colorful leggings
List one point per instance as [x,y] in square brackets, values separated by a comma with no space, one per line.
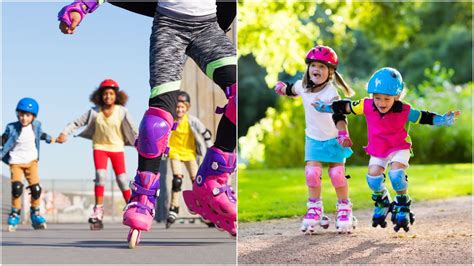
[118,163]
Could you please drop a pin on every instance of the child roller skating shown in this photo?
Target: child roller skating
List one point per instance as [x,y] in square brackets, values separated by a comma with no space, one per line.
[181,29]
[190,140]
[20,150]
[389,143]
[110,127]
[325,142]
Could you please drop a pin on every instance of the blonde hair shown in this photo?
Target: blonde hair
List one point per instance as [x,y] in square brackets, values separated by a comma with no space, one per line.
[334,77]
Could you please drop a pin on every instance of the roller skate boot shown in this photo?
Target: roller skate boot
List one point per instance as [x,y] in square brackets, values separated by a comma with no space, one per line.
[172,216]
[13,219]
[381,209]
[345,221]
[37,221]
[212,197]
[140,210]
[95,220]
[314,217]
[401,214]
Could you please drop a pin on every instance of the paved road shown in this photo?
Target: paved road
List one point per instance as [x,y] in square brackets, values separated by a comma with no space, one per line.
[76,244]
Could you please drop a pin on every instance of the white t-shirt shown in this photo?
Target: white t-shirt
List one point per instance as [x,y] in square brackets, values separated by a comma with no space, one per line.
[187,8]
[24,150]
[319,126]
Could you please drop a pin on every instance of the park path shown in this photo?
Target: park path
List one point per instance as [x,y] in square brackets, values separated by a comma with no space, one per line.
[442,234]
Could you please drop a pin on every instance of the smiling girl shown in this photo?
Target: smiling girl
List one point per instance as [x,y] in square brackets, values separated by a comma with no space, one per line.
[324,142]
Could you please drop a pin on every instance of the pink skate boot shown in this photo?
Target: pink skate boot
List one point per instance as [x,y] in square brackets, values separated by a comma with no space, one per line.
[95,220]
[212,197]
[152,142]
[345,221]
[314,217]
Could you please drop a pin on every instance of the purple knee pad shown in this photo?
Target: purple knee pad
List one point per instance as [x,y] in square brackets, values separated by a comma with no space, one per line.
[313,176]
[338,177]
[154,133]
[64,14]
[229,109]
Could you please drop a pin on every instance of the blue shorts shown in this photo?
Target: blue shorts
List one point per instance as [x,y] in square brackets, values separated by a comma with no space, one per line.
[328,151]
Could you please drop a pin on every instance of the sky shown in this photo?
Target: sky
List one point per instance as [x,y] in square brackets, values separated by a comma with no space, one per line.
[61,71]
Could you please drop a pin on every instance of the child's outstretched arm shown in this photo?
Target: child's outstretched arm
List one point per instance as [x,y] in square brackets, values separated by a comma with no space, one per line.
[336,107]
[46,137]
[429,118]
[285,89]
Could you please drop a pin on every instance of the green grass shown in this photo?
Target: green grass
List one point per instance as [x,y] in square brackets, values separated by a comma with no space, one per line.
[277,193]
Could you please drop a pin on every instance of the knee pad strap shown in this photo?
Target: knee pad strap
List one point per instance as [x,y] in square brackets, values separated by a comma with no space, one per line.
[313,176]
[376,182]
[338,178]
[399,179]
[17,189]
[154,133]
[229,110]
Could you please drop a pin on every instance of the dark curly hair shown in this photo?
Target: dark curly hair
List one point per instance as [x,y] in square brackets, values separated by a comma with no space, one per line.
[121,97]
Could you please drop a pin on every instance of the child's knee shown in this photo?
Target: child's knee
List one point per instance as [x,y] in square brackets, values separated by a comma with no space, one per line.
[122,181]
[399,179]
[35,191]
[313,176]
[338,177]
[376,182]
[100,177]
[17,189]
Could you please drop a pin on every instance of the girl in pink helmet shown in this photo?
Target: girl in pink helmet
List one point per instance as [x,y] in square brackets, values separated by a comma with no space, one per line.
[327,139]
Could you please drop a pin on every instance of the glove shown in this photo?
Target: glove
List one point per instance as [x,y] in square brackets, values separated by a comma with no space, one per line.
[322,107]
[343,139]
[280,88]
[446,119]
[64,14]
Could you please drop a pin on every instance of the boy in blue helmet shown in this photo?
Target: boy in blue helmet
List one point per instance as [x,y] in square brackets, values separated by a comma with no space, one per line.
[20,150]
[388,141]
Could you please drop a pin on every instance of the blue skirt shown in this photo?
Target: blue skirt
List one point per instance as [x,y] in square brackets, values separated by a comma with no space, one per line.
[328,151]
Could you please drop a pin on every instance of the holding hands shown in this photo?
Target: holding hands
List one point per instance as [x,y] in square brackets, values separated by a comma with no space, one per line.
[61,138]
[446,119]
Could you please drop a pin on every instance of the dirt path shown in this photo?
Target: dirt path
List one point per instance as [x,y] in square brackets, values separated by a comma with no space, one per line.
[442,233]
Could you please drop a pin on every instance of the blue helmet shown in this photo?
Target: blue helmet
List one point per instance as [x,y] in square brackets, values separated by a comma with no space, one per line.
[29,105]
[387,81]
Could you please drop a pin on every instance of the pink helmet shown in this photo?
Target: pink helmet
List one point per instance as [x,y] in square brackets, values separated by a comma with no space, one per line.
[322,54]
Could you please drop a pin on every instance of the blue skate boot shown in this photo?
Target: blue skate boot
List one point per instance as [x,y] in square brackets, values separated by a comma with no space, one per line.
[13,219]
[401,214]
[37,221]
[382,208]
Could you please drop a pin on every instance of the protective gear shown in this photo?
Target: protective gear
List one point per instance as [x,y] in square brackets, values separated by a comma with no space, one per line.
[313,176]
[382,208]
[172,216]
[109,83]
[280,88]
[338,178]
[184,97]
[322,54]
[35,191]
[343,137]
[37,221]
[100,177]
[28,105]
[401,214]
[345,221]
[229,110]
[322,107]
[446,119]
[83,7]
[95,220]
[211,197]
[399,179]
[177,182]
[387,81]
[14,219]
[17,189]
[376,182]
[154,133]
[314,217]
[122,181]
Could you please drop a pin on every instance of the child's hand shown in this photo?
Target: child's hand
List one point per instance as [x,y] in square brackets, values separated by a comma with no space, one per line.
[446,119]
[280,88]
[53,140]
[75,20]
[62,138]
[343,139]
[322,107]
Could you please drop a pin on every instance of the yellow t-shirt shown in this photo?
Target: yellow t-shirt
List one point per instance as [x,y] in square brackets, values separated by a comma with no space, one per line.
[108,134]
[182,143]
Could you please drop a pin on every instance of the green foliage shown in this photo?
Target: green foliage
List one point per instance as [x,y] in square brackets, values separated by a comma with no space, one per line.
[278,139]
[277,193]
